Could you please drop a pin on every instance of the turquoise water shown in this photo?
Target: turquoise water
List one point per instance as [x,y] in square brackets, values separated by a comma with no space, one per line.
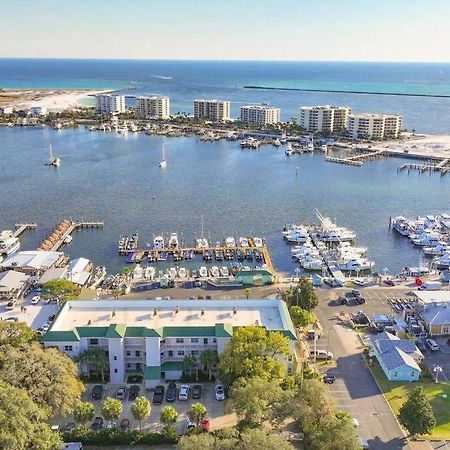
[183,81]
[114,178]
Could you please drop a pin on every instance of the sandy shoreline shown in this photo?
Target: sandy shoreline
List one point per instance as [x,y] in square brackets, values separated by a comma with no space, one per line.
[53,99]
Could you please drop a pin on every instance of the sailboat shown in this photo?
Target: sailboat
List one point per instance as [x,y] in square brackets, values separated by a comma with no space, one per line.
[53,160]
[163,162]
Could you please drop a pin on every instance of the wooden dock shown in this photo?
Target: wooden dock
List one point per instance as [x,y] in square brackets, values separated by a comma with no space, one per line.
[357,160]
[63,230]
[443,166]
[20,228]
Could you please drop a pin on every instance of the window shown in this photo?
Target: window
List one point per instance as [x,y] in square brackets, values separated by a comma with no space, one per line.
[180,353]
[93,341]
[412,373]
[163,341]
[214,341]
[205,341]
[68,348]
[170,353]
[138,353]
[179,340]
[194,340]
[194,352]
[128,365]
[115,358]
[128,353]
[395,374]
[115,370]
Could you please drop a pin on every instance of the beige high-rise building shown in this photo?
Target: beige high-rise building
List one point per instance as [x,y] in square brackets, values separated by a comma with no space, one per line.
[155,107]
[215,110]
[261,115]
[324,119]
[108,103]
[374,126]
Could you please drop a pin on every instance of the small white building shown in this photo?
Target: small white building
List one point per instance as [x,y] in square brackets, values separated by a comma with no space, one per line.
[260,115]
[214,110]
[155,107]
[152,337]
[37,111]
[6,109]
[32,262]
[79,271]
[13,284]
[109,103]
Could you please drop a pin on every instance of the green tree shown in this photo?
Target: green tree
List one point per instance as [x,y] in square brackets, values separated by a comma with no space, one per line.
[84,412]
[302,295]
[95,359]
[203,441]
[60,289]
[208,359]
[15,333]
[23,423]
[49,376]
[111,409]
[116,293]
[258,400]
[141,410]
[253,352]
[188,363]
[301,317]
[168,416]
[197,413]
[258,439]
[416,414]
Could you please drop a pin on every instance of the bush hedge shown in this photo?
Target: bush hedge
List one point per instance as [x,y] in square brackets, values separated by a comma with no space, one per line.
[115,436]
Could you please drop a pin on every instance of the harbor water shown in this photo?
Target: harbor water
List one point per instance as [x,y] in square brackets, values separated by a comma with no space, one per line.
[115,178]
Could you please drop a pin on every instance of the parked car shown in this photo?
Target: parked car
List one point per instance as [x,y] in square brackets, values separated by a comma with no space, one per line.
[158,395]
[355,293]
[134,392]
[36,299]
[432,345]
[51,318]
[97,424]
[68,427]
[321,354]
[220,393]
[205,425]
[189,425]
[124,425]
[121,393]
[184,392]
[171,393]
[196,391]
[97,392]
[328,379]
[389,282]
[421,345]
[11,304]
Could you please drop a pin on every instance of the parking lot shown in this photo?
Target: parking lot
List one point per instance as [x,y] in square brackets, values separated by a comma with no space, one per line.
[215,408]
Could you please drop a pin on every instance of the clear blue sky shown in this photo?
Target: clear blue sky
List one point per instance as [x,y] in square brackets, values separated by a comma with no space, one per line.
[355,30]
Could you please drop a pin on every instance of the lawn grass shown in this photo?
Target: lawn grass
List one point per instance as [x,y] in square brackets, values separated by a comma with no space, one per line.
[396,394]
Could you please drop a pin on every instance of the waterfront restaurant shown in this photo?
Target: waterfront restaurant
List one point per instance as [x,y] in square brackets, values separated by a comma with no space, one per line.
[152,337]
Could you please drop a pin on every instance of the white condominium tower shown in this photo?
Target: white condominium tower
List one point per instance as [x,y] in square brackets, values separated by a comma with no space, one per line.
[108,103]
[155,107]
[324,119]
[261,115]
[376,126]
[215,110]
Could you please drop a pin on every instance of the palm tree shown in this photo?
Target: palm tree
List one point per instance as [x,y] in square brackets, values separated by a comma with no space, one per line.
[188,362]
[209,358]
[96,358]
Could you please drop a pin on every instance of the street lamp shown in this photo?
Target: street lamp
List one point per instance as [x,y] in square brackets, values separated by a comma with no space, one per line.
[437,370]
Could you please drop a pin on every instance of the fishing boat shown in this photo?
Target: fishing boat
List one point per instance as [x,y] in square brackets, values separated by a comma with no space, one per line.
[243,242]
[215,272]
[224,272]
[230,242]
[158,243]
[172,273]
[163,162]
[53,160]
[203,272]
[182,272]
[173,240]
[258,242]
[289,150]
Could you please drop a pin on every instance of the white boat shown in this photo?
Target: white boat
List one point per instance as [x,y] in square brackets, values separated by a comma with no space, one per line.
[445,220]
[149,272]
[53,160]
[437,250]
[250,142]
[8,243]
[230,242]
[182,272]
[215,272]
[401,225]
[224,272]
[68,239]
[347,247]
[258,242]
[138,273]
[243,242]
[201,243]
[442,262]
[426,239]
[133,127]
[163,162]
[158,243]
[172,273]
[123,129]
[324,148]
[173,240]
[298,235]
[289,150]
[356,265]
[312,263]
[203,272]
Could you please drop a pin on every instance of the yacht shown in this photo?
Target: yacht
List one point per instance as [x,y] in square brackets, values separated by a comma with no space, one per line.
[445,220]
[201,243]
[172,273]
[243,242]
[215,272]
[230,242]
[250,142]
[289,150]
[276,142]
[123,129]
[258,242]
[182,272]
[8,243]
[158,243]
[298,235]
[346,247]
[224,272]
[173,240]
[437,250]
[53,160]
[426,239]
[133,127]
[149,272]
[312,263]
[401,225]
[356,264]
[163,162]
[203,272]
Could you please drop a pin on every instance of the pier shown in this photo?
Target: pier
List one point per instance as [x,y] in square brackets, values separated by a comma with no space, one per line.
[62,233]
[20,228]
[357,160]
[443,167]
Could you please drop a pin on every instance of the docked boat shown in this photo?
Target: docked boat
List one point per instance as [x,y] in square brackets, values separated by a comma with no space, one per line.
[158,243]
[203,272]
[8,243]
[276,142]
[312,263]
[188,254]
[215,272]
[201,243]
[258,242]
[356,265]
[445,220]
[229,254]
[68,239]
[249,254]
[258,255]
[298,235]
[437,250]
[172,273]
[224,272]
[442,262]
[152,256]
[131,258]
[218,254]
[289,150]
[426,239]
[207,255]
[182,272]
[163,162]
[240,255]
[230,242]
[250,143]
[177,255]
[173,240]
[401,225]
[243,242]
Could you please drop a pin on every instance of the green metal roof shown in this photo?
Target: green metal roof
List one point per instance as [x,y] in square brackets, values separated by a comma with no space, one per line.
[251,273]
[61,336]
[189,331]
[131,332]
[223,330]
[152,372]
[116,330]
[172,365]
[92,331]
[290,329]
[153,332]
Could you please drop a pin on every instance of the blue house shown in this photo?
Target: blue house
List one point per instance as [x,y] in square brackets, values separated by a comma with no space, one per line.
[397,357]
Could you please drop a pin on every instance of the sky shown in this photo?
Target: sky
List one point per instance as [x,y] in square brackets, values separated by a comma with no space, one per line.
[320,30]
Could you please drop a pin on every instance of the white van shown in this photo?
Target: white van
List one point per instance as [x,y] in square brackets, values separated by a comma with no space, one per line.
[321,354]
